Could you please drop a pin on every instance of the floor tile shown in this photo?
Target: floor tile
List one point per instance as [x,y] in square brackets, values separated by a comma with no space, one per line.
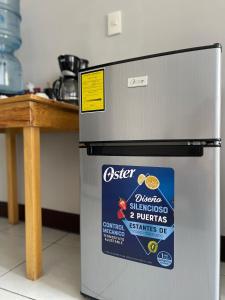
[12,244]
[222,287]
[49,235]
[61,279]
[222,268]
[6,295]
[12,252]
[70,240]
[4,224]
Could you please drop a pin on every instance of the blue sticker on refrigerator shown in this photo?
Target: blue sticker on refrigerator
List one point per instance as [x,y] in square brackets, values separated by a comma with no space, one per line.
[138,214]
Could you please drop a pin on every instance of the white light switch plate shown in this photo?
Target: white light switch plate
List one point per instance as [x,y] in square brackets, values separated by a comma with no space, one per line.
[114,22]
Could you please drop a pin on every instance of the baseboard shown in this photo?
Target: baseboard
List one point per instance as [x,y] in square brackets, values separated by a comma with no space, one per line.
[50,218]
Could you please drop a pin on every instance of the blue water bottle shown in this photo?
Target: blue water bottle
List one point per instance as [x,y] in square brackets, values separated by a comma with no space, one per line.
[10,40]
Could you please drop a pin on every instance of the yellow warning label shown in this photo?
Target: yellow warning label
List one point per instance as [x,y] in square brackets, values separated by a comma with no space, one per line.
[92,91]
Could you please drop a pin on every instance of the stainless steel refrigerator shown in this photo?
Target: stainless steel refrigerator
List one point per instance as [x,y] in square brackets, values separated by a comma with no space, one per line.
[150,177]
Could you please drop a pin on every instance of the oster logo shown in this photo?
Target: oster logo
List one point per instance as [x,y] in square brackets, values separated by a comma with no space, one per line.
[111,174]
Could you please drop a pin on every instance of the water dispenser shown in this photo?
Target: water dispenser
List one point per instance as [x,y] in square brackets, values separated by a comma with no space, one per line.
[10,40]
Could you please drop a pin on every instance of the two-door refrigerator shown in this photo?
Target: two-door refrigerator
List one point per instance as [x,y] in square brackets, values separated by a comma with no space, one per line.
[150,177]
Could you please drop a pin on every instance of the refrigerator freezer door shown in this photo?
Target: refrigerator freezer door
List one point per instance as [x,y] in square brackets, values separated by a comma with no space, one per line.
[196,234]
[166,97]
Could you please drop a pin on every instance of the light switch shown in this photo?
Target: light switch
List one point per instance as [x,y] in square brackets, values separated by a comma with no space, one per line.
[114,22]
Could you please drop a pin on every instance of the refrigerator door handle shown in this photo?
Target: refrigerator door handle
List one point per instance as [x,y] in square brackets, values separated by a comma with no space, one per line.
[145,150]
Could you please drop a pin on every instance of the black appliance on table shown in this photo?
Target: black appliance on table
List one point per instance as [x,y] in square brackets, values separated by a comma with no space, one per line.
[66,87]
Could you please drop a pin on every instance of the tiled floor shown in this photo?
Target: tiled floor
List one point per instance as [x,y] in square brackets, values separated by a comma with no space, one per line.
[61,257]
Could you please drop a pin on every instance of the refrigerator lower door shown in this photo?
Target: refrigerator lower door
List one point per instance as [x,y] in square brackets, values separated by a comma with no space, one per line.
[195,271]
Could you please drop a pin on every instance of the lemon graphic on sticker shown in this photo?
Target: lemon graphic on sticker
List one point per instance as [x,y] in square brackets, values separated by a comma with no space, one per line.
[152,182]
[141,179]
[153,246]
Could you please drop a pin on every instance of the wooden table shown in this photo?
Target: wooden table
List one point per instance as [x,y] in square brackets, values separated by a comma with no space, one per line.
[31,114]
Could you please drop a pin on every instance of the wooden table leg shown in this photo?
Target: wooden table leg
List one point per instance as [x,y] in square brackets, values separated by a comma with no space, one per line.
[32,202]
[13,213]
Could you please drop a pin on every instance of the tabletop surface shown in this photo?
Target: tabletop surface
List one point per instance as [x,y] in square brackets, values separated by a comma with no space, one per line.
[38,99]
[34,111]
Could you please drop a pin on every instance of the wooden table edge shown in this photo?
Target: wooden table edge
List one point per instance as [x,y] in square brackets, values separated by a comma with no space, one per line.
[38,99]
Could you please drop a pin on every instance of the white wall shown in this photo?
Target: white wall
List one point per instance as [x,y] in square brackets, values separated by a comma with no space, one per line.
[55,27]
